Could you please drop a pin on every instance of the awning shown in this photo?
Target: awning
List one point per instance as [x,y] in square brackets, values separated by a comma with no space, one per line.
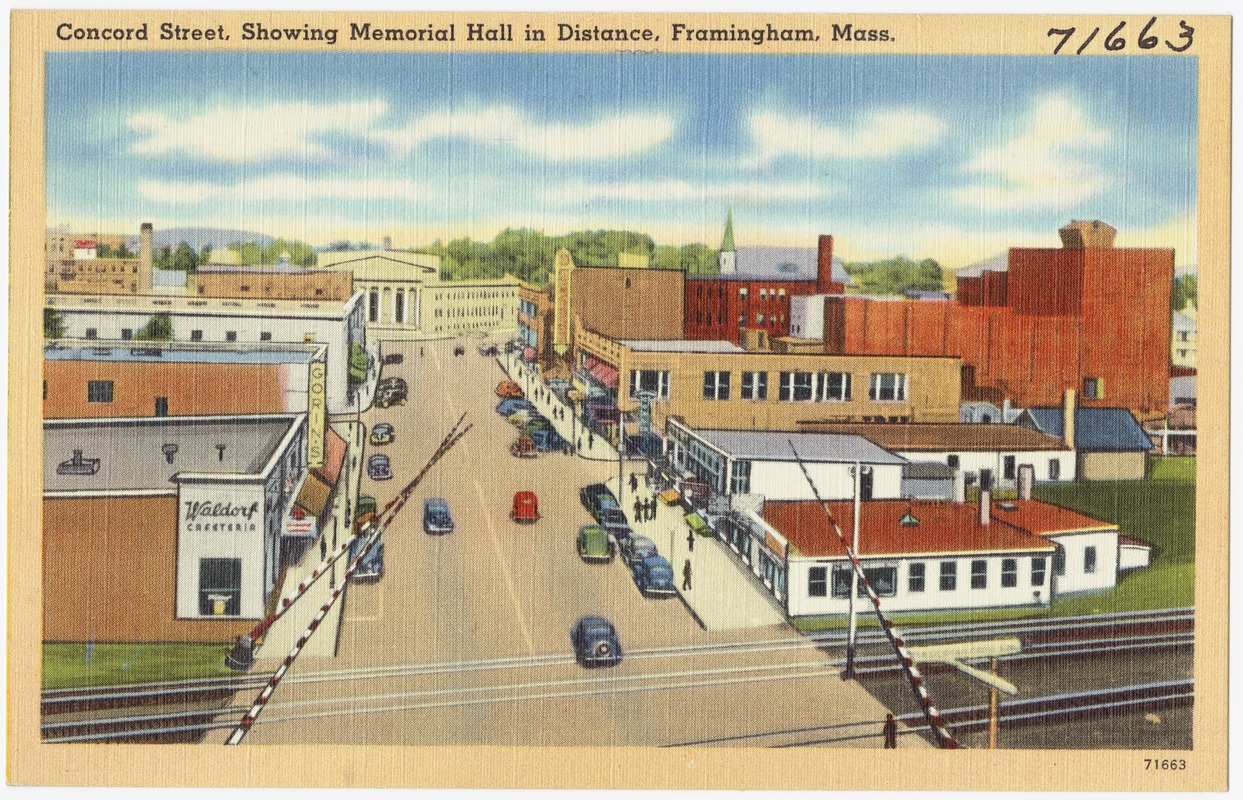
[313,497]
[334,456]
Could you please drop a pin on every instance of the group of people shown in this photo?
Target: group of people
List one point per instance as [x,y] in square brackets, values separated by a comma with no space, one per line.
[645,509]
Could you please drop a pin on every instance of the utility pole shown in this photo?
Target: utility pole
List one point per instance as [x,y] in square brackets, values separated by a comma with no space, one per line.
[854,579]
[992,707]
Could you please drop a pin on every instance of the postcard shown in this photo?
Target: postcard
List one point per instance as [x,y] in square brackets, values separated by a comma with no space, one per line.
[618,401]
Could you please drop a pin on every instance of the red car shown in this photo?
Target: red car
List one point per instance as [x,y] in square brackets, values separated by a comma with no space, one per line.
[510,389]
[526,507]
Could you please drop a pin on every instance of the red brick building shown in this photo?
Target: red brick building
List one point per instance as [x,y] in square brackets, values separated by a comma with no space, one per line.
[1088,316]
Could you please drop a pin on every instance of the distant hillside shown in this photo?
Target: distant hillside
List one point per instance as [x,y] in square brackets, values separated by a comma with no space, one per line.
[218,238]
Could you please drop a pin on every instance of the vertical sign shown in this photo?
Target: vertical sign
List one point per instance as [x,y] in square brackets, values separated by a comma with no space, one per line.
[562,312]
[645,411]
[315,416]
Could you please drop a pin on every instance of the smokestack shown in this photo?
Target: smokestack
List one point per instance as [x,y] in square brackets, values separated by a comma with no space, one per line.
[960,486]
[824,266]
[388,242]
[1027,476]
[1068,419]
[145,271]
[986,507]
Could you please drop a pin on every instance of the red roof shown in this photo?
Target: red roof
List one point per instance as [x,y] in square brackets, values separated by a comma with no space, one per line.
[1044,519]
[944,527]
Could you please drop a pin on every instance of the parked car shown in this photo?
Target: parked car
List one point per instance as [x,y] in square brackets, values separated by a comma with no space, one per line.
[459,350]
[637,548]
[488,350]
[526,507]
[698,525]
[590,496]
[436,516]
[366,503]
[594,545]
[393,382]
[547,440]
[386,397]
[510,389]
[394,358]
[653,576]
[378,468]
[382,433]
[613,519]
[513,405]
[595,642]
[372,567]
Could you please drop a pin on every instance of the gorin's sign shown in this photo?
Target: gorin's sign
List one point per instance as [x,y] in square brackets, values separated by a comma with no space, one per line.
[206,508]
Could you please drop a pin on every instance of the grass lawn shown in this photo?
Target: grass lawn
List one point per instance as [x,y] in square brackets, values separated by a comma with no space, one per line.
[1159,512]
[1172,468]
[77,664]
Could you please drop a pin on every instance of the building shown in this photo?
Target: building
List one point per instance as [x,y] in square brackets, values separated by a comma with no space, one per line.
[984,453]
[233,322]
[468,308]
[755,289]
[535,312]
[718,385]
[1087,315]
[1183,338]
[1109,443]
[274,283]
[73,268]
[169,529]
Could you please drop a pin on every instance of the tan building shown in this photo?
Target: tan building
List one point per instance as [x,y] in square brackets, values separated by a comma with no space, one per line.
[274,283]
[465,308]
[716,384]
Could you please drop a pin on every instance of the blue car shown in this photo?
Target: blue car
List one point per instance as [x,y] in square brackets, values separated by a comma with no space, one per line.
[372,567]
[436,516]
[654,577]
[595,642]
[378,468]
[513,405]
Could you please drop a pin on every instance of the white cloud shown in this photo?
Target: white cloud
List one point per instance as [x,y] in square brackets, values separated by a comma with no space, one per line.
[689,191]
[1044,166]
[876,135]
[239,134]
[620,135]
[285,188]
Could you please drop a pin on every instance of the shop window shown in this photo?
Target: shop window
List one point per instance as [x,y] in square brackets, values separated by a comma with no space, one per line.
[887,386]
[817,582]
[740,477]
[755,386]
[1089,560]
[99,391]
[716,385]
[220,586]
[915,577]
[833,386]
[127,333]
[795,386]
[949,576]
[1009,573]
[1038,571]
[979,574]
[92,333]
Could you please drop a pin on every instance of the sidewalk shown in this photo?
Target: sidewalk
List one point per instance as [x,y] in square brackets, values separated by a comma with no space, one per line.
[723,594]
[284,633]
[593,447]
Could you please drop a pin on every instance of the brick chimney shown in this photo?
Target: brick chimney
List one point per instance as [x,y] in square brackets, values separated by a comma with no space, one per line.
[986,507]
[1081,234]
[1068,419]
[824,266]
[388,242]
[145,270]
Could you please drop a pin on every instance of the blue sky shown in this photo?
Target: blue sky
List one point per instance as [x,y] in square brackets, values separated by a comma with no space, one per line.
[950,157]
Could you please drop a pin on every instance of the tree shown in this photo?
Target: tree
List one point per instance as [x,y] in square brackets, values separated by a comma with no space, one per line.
[162,258]
[359,362]
[53,324]
[158,329]
[896,276]
[1183,293]
[185,259]
[205,255]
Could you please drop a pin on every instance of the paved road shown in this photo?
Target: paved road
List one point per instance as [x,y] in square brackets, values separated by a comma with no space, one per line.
[503,597]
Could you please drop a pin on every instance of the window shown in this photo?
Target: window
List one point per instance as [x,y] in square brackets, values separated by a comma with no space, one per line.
[833,386]
[781,294]
[740,477]
[99,391]
[230,336]
[1093,389]
[1059,560]
[1182,337]
[915,577]
[817,582]
[92,333]
[1009,573]
[1038,570]
[220,586]
[884,581]
[265,336]
[716,385]
[196,336]
[952,460]
[795,386]
[373,306]
[759,319]
[1007,467]
[245,288]
[1089,560]
[979,574]
[649,380]
[763,294]
[127,333]
[755,386]
[887,386]
[742,293]
[949,576]
[1055,469]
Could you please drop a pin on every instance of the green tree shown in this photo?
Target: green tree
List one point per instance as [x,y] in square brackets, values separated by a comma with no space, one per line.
[359,362]
[896,276]
[53,324]
[205,255]
[1183,292]
[158,329]
[162,258]
[185,259]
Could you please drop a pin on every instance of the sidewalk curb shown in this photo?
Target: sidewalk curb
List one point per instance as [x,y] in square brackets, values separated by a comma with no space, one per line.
[691,610]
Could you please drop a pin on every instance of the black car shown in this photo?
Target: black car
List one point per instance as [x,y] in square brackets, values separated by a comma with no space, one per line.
[459,351]
[592,495]
[595,642]
[394,358]
[393,383]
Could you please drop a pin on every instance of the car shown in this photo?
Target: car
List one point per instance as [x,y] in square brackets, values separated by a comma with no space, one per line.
[614,520]
[382,433]
[393,382]
[488,350]
[512,406]
[637,548]
[654,577]
[371,568]
[366,503]
[595,642]
[389,396]
[594,545]
[378,468]
[436,516]
[510,389]
[526,507]
[394,358]
[459,350]
[590,496]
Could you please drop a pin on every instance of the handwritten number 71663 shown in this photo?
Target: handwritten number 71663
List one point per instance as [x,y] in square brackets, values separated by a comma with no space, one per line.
[1115,40]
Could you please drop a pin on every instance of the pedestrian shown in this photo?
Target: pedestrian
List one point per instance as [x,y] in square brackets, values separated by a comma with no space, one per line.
[690,541]
[323,548]
[686,575]
[420,352]
[580,444]
[634,482]
[653,505]
[891,732]
[638,508]
[591,440]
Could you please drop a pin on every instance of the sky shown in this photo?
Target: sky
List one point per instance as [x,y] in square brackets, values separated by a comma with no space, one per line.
[950,157]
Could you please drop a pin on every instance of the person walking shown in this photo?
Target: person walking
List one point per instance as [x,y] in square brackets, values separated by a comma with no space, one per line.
[690,541]
[686,574]
[591,440]
[890,732]
[634,482]
[653,505]
[638,510]
[323,548]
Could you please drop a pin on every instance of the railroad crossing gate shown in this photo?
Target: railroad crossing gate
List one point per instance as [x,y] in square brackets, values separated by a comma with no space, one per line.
[954,654]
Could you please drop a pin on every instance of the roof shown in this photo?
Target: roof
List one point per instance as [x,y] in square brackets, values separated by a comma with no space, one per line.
[131,451]
[681,346]
[815,447]
[950,436]
[997,263]
[779,263]
[944,528]
[927,470]
[1045,519]
[1096,429]
[1182,322]
[165,353]
[727,241]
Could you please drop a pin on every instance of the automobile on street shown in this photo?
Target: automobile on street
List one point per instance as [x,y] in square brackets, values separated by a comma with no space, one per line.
[436,516]
[382,433]
[595,642]
[378,468]
[594,545]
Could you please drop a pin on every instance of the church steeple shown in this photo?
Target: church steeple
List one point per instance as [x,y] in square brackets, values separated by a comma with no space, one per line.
[726,256]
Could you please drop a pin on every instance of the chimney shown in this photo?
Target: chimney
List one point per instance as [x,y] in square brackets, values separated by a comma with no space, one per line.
[1027,476]
[824,266]
[145,273]
[1068,419]
[1081,234]
[1005,411]
[986,507]
[388,242]
[960,486]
